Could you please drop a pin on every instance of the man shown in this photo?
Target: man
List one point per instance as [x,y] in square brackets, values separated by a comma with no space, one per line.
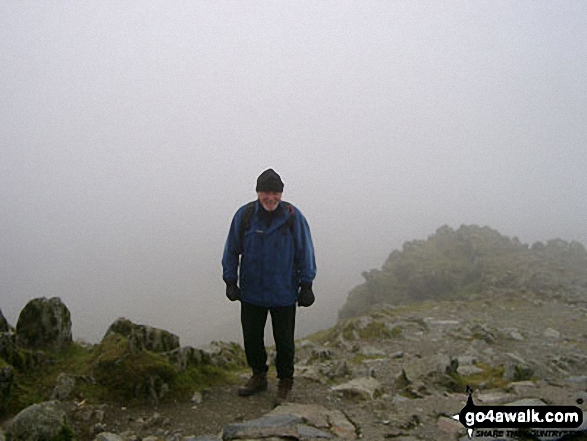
[269,266]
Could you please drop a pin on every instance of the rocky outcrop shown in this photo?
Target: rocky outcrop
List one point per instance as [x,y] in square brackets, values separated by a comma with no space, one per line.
[44,324]
[468,261]
[142,337]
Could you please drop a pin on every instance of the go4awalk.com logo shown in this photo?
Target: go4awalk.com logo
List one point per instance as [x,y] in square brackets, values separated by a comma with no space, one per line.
[545,420]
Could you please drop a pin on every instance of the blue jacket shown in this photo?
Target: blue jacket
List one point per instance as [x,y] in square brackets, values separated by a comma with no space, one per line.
[272,261]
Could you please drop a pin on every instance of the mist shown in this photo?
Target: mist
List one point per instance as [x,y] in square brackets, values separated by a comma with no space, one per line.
[131,133]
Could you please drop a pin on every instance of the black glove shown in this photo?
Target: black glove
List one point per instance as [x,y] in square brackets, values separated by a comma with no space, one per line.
[306,296]
[232,291]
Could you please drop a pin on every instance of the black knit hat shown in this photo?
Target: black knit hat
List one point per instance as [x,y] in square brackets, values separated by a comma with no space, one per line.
[269,181]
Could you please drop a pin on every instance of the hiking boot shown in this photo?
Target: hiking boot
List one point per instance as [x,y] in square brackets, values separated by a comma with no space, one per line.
[257,383]
[283,389]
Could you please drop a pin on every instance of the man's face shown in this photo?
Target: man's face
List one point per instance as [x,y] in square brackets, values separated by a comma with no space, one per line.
[269,199]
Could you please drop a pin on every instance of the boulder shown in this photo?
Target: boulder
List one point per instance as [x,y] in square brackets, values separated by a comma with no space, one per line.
[44,324]
[37,422]
[143,337]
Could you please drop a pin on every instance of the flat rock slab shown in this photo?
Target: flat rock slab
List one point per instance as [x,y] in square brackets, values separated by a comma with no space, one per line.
[274,426]
[333,421]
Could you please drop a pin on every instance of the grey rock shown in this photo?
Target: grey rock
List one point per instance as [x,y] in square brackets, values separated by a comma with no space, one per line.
[225,354]
[308,432]
[512,334]
[320,417]
[197,398]
[264,427]
[527,402]
[63,388]
[365,388]
[552,333]
[186,356]
[468,370]
[44,324]
[581,379]
[141,337]
[482,332]
[39,421]
[369,351]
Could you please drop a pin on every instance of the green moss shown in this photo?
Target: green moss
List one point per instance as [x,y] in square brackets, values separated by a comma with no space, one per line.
[127,375]
[110,372]
[490,378]
[199,378]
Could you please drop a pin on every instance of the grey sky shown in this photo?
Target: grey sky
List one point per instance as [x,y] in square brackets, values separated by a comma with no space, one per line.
[130,134]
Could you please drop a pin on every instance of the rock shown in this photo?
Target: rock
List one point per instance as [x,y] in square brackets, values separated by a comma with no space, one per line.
[449,426]
[527,402]
[18,357]
[143,337]
[285,426]
[6,379]
[517,369]
[320,417]
[369,351]
[512,334]
[335,370]
[225,354]
[8,347]
[63,388]
[37,422]
[186,356]
[552,333]
[309,373]
[4,326]
[468,370]
[483,333]
[493,398]
[365,388]
[520,387]
[581,379]
[44,324]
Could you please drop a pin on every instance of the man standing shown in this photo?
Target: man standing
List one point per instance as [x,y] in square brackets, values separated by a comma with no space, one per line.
[269,265]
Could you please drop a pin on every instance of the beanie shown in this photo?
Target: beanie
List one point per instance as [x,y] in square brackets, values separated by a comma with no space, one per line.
[269,181]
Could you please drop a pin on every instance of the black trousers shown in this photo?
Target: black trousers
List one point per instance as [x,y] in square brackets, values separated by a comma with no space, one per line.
[283,320]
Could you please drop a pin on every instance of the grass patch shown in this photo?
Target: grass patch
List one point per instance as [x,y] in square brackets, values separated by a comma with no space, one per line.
[199,378]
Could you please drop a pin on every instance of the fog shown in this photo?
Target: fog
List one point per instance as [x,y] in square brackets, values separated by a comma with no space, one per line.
[130,134]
